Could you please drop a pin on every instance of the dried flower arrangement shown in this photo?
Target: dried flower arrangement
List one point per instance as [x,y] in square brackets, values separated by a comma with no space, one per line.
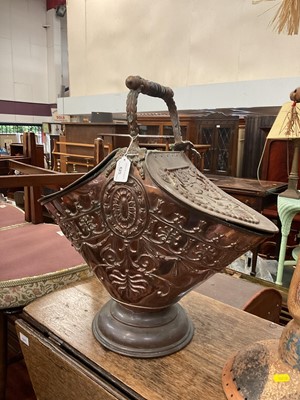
[287,17]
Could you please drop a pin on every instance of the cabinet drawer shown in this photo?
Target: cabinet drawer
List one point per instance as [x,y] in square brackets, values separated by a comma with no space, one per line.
[253,202]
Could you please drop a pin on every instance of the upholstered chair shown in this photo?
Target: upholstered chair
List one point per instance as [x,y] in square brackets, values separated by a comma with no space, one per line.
[35,259]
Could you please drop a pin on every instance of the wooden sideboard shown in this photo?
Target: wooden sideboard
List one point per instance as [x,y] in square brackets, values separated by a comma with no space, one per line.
[252,192]
[65,361]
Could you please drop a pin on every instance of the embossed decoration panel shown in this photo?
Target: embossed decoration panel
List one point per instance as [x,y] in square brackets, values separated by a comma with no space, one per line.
[141,243]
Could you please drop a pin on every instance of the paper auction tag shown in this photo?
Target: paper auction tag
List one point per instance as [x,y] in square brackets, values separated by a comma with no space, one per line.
[122,170]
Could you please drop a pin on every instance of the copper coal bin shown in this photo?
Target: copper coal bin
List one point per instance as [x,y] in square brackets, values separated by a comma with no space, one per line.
[151,226]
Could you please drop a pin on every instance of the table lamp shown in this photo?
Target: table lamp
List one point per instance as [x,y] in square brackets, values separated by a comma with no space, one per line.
[287,127]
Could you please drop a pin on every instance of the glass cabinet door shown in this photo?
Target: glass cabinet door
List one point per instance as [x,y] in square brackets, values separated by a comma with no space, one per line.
[220,158]
[223,144]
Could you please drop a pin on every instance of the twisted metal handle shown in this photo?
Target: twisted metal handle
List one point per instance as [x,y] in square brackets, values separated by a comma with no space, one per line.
[138,85]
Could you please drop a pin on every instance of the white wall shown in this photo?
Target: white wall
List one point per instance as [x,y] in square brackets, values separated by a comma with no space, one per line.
[30,48]
[23,48]
[220,52]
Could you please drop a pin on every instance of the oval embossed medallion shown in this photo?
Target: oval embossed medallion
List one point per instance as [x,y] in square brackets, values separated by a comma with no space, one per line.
[125,207]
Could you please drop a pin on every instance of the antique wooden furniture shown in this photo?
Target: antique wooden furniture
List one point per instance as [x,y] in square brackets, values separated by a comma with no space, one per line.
[113,134]
[265,302]
[78,157]
[29,149]
[217,130]
[66,361]
[33,179]
[221,133]
[35,259]
[29,153]
[257,194]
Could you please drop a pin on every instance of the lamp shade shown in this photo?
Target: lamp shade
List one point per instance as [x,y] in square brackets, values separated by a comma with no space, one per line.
[287,124]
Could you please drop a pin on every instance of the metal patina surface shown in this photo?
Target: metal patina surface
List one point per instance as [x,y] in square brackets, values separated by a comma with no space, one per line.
[155,236]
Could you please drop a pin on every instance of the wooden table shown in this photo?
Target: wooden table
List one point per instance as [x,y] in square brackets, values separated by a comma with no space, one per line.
[256,194]
[66,362]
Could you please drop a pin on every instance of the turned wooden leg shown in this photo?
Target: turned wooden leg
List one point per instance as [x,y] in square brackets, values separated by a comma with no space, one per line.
[3,353]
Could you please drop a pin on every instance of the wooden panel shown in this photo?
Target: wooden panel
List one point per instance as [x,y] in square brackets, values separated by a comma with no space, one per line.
[192,373]
[68,379]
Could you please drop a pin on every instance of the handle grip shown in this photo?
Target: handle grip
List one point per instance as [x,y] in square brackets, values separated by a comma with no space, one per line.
[149,88]
[138,85]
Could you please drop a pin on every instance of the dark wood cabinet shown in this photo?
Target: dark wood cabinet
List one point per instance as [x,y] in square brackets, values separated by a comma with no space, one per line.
[221,133]
[217,130]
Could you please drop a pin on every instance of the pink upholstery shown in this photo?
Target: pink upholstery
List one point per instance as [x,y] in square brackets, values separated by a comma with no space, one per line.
[10,215]
[31,250]
[35,259]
